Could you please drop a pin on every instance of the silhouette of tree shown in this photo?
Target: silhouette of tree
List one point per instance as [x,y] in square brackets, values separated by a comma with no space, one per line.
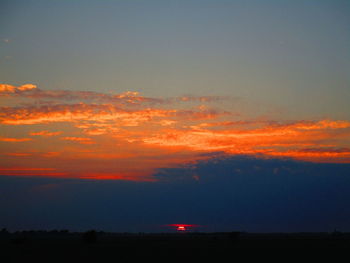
[90,237]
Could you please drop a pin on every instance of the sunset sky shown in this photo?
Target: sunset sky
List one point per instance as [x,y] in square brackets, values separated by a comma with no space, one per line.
[115,107]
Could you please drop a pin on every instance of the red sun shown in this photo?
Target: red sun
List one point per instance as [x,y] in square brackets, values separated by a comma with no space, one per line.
[182,227]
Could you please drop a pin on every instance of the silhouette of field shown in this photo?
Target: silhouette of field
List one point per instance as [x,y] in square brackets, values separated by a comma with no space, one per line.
[92,244]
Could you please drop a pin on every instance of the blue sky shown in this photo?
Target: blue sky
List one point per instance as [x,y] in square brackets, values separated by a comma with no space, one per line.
[274,53]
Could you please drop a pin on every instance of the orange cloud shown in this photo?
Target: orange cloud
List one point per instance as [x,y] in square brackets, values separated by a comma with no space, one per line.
[45,133]
[96,113]
[79,140]
[95,132]
[18,154]
[76,113]
[134,135]
[50,154]
[257,140]
[26,87]
[25,169]
[31,171]
[338,155]
[37,174]
[6,89]
[6,139]
[117,176]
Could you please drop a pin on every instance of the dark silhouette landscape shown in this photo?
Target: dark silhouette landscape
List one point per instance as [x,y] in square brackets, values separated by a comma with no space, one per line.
[97,244]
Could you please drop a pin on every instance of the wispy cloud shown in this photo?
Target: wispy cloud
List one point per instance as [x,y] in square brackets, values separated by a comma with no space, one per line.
[95,112]
[128,98]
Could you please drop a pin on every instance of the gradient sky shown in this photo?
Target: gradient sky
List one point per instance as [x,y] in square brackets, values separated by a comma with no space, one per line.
[145,96]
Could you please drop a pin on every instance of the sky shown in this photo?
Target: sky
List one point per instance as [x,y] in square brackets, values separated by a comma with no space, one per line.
[133,115]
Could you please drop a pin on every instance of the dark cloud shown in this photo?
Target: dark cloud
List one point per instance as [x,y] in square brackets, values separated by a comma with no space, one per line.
[222,166]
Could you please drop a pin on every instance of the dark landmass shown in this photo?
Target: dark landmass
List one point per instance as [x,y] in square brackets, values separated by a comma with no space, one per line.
[94,244]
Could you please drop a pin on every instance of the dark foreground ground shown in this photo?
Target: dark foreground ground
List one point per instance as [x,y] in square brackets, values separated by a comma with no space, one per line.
[126,247]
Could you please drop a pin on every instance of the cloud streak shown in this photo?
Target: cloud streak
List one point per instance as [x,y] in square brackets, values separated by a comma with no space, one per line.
[129,98]
[81,140]
[95,112]
[31,171]
[7,139]
[45,133]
